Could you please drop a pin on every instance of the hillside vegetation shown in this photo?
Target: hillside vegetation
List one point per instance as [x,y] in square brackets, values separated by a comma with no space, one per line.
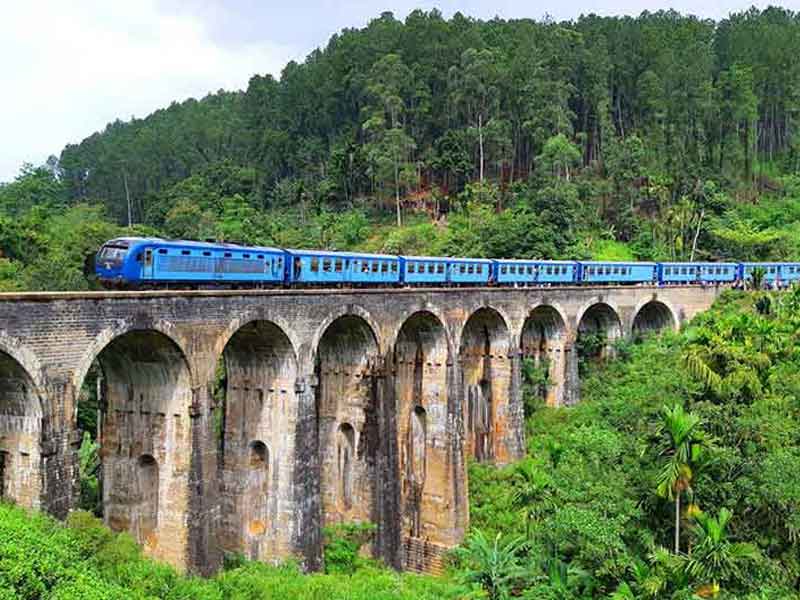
[657,137]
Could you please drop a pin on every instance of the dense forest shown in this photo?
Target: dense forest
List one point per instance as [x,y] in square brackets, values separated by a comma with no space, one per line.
[657,137]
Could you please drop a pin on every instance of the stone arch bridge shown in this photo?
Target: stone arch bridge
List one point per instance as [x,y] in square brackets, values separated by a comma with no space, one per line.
[338,406]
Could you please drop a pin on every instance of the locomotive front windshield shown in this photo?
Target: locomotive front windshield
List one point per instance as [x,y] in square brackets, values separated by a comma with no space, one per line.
[112,256]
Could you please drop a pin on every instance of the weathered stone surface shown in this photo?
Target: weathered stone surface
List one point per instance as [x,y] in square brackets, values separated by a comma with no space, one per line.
[340,406]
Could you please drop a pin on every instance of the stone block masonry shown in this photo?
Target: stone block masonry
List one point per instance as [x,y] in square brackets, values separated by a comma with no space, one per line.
[339,406]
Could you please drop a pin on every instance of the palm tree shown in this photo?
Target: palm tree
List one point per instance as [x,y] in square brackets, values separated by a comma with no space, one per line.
[715,559]
[683,446]
[757,276]
[531,492]
[496,566]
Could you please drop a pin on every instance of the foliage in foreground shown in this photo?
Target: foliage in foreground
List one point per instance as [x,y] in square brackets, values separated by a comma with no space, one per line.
[43,559]
[710,417]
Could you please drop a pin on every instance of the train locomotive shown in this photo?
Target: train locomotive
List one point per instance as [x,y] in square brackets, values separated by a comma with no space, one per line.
[148,263]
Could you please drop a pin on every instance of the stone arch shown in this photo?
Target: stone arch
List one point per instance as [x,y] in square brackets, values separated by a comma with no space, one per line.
[603,322]
[20,434]
[652,316]
[258,416]
[25,357]
[110,334]
[484,355]
[145,402]
[423,367]
[348,311]
[257,314]
[348,371]
[544,339]
[428,309]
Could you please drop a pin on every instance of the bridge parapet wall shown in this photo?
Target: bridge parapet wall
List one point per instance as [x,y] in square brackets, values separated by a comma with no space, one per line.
[340,405]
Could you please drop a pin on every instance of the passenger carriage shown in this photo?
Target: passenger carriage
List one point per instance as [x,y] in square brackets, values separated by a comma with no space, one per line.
[617,272]
[706,272]
[320,267]
[775,273]
[437,270]
[531,272]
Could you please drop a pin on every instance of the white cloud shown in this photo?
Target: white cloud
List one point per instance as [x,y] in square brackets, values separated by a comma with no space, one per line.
[69,70]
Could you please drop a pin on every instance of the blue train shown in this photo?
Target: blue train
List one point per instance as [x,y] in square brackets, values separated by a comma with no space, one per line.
[143,263]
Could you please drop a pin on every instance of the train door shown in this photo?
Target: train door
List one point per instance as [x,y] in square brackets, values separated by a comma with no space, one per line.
[147,265]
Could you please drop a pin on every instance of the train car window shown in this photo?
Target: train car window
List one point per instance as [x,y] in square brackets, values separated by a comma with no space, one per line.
[529,269]
[470,269]
[373,266]
[280,262]
[512,269]
[162,251]
[185,252]
[394,267]
[314,265]
[411,268]
[549,270]
[462,268]
[440,268]
[327,263]
[228,255]
[504,269]
[384,267]
[206,253]
[260,257]
[338,265]
[245,256]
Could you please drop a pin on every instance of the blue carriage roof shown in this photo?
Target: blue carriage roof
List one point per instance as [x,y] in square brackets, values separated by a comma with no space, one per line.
[447,259]
[704,264]
[621,263]
[337,254]
[536,260]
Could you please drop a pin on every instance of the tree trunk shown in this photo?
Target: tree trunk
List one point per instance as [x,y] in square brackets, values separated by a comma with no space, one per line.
[480,144]
[677,522]
[397,193]
[697,234]
[127,196]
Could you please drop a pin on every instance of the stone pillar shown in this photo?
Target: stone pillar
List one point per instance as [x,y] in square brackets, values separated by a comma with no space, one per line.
[204,555]
[572,383]
[307,535]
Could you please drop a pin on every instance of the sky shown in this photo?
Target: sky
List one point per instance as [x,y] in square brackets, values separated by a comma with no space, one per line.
[69,68]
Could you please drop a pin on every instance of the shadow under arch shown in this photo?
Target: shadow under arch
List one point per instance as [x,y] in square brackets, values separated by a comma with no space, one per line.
[599,326]
[257,411]
[484,356]
[652,317]
[144,396]
[21,414]
[543,340]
